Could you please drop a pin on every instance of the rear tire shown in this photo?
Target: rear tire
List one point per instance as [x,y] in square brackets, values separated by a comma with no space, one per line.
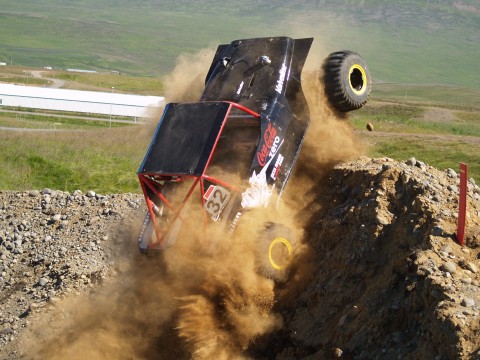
[277,248]
[347,80]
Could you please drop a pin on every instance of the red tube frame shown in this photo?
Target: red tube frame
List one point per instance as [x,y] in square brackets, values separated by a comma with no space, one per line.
[145,182]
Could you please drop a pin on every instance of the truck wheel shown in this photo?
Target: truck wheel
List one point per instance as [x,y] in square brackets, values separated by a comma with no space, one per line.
[347,80]
[277,247]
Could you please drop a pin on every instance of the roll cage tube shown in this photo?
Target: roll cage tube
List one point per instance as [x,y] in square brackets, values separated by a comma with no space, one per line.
[154,182]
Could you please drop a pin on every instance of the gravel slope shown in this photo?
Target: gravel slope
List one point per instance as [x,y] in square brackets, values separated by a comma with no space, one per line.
[53,243]
[385,279]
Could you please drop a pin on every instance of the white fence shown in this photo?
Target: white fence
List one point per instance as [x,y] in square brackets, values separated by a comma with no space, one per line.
[108,103]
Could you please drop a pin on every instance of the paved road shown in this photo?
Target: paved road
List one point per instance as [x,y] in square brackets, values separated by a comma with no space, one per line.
[3,128]
[88,118]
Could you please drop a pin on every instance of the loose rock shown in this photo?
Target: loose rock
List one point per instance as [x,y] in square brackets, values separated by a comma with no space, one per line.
[467,302]
[449,267]
[472,267]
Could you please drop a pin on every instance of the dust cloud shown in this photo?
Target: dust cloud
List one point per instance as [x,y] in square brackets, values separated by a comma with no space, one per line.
[188,302]
[185,83]
[187,80]
[330,138]
[180,304]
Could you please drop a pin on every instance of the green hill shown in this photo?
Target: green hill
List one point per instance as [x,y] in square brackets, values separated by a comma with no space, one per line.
[422,42]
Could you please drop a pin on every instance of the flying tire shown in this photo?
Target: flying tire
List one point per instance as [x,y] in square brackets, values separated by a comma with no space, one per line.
[347,80]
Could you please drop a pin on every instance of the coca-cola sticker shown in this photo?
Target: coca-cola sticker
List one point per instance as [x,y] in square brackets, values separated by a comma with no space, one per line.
[270,145]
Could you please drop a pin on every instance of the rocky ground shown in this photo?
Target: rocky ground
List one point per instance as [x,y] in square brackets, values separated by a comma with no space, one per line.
[389,280]
[386,278]
[52,244]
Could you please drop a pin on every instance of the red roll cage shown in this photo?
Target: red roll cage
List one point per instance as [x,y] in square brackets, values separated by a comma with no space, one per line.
[152,182]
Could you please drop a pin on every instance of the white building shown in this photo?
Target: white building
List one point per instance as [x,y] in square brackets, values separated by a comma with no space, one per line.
[108,103]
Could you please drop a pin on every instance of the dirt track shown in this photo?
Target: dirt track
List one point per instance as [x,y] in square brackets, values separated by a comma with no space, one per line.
[53,83]
[383,277]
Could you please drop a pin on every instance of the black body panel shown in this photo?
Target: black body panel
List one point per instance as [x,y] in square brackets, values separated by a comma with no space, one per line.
[241,73]
[238,73]
[259,80]
[185,138]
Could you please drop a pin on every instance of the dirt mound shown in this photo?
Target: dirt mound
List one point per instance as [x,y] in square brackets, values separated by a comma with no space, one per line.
[383,277]
[389,280]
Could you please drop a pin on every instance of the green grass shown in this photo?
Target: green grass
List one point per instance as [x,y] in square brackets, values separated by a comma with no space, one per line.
[408,118]
[422,129]
[469,117]
[434,42]
[104,81]
[134,37]
[121,83]
[392,117]
[105,161]
[23,80]
[98,158]
[453,97]
[437,153]
[43,119]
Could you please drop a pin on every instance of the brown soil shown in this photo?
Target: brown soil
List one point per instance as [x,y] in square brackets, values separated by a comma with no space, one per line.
[383,278]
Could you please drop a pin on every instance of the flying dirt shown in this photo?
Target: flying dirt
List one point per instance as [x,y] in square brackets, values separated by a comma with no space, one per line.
[376,271]
[250,123]
[236,148]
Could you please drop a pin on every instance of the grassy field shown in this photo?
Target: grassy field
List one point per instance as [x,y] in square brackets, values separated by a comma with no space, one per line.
[140,85]
[438,124]
[416,119]
[439,153]
[102,160]
[106,160]
[453,97]
[430,127]
[102,81]
[434,42]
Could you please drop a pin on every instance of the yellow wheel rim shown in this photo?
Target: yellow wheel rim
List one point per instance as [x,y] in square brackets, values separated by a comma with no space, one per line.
[287,244]
[357,72]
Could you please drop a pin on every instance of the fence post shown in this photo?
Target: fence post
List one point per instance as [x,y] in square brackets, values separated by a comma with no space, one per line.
[462,203]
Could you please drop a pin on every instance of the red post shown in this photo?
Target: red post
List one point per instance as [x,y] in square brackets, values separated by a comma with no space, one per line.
[462,203]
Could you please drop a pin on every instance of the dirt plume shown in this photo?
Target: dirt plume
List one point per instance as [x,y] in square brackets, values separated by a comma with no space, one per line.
[187,80]
[235,303]
[330,138]
[227,315]
[197,304]
[219,301]
[226,300]
[184,84]
[121,320]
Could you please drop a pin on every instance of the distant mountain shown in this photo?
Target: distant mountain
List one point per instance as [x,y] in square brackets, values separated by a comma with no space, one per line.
[411,41]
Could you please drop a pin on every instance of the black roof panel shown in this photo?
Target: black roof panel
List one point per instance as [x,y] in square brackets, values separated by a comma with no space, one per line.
[184,138]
